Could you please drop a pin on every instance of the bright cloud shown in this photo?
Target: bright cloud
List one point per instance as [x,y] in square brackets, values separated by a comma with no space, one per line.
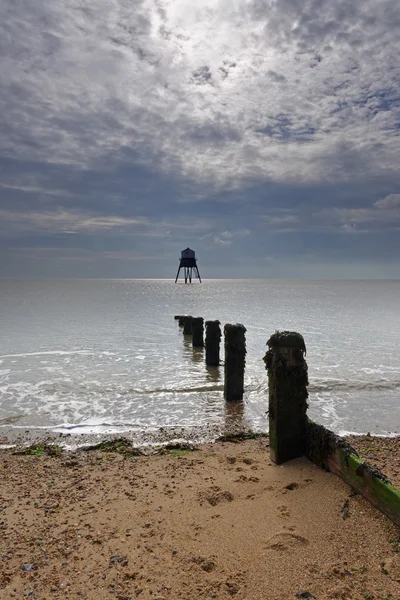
[216,90]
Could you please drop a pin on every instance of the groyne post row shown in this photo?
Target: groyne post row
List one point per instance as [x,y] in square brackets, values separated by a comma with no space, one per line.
[288,380]
[187,325]
[213,340]
[292,434]
[197,332]
[235,350]
[235,353]
[180,319]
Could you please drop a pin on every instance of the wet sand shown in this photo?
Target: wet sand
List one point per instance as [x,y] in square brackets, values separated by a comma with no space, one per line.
[218,522]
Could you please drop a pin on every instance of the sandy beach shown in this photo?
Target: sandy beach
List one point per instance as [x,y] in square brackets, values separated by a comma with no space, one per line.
[218,522]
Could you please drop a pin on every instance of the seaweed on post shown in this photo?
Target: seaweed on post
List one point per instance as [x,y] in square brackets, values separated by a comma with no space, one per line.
[235,354]
[213,340]
[198,332]
[288,380]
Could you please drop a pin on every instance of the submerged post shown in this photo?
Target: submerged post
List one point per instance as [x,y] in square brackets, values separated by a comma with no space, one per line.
[197,332]
[187,325]
[213,338]
[288,380]
[235,352]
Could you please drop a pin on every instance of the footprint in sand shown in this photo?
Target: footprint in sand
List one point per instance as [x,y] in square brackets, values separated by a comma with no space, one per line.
[284,541]
[285,512]
[244,479]
[214,496]
[291,486]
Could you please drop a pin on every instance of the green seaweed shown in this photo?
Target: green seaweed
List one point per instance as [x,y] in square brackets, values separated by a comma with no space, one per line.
[120,445]
[321,442]
[40,450]
[176,449]
[240,436]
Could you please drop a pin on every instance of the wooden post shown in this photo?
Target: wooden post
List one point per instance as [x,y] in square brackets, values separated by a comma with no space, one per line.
[213,338]
[235,352]
[288,380]
[180,319]
[187,325]
[197,332]
[329,451]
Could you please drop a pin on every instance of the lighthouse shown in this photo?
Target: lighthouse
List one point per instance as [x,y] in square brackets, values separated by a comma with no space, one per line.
[188,263]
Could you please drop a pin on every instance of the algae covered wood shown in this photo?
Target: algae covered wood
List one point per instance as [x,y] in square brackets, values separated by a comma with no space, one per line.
[287,385]
[235,353]
[332,453]
[198,332]
[213,339]
[187,325]
[180,319]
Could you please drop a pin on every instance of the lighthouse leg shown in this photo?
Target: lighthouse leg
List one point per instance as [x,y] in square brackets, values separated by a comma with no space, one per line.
[177,275]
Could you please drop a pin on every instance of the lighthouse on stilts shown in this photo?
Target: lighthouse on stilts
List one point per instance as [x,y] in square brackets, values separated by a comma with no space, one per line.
[188,263]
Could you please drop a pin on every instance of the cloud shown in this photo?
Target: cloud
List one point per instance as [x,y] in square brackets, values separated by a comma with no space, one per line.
[281,219]
[62,221]
[188,87]
[29,189]
[141,128]
[389,202]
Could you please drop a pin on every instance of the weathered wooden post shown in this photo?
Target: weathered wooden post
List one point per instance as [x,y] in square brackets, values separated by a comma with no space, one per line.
[187,325]
[288,380]
[197,332]
[180,319]
[235,352]
[213,338]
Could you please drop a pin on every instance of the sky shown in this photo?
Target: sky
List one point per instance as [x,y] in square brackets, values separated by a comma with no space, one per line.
[264,134]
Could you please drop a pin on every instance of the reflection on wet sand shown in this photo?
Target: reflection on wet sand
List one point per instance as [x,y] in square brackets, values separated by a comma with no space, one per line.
[235,418]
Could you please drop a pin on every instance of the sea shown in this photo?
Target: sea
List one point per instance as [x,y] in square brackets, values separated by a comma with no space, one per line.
[90,357]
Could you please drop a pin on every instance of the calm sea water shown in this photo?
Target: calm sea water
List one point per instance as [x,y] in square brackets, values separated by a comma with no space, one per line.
[105,356]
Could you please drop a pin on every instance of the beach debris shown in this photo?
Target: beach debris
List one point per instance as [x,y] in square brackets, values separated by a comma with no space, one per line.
[119,559]
[304,594]
[27,567]
[345,509]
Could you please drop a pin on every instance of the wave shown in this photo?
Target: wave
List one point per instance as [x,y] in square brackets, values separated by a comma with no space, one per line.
[49,353]
[340,385]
